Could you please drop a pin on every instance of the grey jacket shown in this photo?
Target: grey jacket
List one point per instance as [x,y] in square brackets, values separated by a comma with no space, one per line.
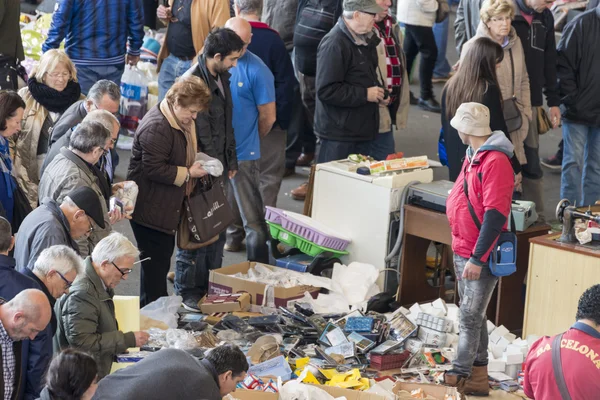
[44,227]
[467,21]
[166,374]
[86,321]
[281,16]
[67,172]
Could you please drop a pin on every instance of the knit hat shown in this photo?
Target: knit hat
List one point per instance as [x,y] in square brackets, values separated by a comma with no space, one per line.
[472,119]
[367,6]
[86,199]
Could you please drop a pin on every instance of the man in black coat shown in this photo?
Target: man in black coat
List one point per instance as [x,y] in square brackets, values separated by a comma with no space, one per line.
[579,85]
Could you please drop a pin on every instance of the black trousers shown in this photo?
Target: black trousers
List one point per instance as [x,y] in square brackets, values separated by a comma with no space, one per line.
[420,39]
[153,276]
[150,7]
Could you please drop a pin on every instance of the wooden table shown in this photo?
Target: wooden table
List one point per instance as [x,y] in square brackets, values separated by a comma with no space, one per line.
[421,227]
[558,274]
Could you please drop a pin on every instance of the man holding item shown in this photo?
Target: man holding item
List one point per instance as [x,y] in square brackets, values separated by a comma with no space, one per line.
[489,181]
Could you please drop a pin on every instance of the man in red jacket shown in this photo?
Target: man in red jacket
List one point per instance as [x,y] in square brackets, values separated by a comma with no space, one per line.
[490,182]
[580,356]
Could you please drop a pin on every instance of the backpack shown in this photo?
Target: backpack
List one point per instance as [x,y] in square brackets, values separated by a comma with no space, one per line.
[314,21]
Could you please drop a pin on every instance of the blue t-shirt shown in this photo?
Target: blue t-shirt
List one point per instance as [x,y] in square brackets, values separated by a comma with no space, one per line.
[252,85]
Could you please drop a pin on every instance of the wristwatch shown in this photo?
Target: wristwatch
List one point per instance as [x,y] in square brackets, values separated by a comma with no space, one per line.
[187,176]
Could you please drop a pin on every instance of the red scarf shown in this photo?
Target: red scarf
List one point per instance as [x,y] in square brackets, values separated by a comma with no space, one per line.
[392,56]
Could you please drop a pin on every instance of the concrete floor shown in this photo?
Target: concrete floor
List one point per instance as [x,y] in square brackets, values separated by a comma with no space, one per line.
[419,138]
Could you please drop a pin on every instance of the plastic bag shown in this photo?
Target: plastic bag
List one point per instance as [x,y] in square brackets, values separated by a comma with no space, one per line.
[180,339]
[128,196]
[210,164]
[356,281]
[134,101]
[164,309]
[296,390]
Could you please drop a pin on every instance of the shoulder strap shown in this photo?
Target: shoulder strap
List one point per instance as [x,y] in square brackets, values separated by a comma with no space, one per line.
[512,71]
[558,370]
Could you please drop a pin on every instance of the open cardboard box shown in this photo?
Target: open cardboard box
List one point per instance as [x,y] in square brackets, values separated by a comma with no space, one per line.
[221,281]
[241,303]
[336,392]
[437,391]
[242,394]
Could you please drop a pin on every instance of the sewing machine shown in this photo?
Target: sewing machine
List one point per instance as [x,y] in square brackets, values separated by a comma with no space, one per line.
[566,215]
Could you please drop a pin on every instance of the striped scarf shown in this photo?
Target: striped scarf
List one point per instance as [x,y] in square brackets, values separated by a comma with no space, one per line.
[392,55]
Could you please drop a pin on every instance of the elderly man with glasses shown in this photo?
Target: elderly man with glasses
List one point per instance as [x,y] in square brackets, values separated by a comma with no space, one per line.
[77,166]
[54,272]
[86,315]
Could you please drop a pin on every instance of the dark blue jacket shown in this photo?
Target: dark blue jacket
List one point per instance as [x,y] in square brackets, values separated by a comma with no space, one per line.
[97,32]
[37,353]
[269,47]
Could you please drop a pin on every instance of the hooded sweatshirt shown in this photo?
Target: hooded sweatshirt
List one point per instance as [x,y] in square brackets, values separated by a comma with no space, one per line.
[490,181]
[505,81]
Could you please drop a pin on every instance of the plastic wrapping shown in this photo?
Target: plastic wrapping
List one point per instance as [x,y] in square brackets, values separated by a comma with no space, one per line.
[180,339]
[164,309]
[128,196]
[296,390]
[211,165]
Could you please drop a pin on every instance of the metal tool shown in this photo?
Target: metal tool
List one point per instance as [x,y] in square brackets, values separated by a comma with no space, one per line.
[566,215]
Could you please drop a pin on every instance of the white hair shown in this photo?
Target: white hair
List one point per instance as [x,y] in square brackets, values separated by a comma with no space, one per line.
[113,247]
[348,14]
[59,258]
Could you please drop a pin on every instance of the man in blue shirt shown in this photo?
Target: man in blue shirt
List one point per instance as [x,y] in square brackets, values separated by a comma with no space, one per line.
[97,34]
[254,113]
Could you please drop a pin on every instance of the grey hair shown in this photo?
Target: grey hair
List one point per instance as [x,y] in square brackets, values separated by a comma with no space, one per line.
[104,87]
[250,6]
[113,247]
[348,14]
[106,118]
[59,258]
[88,136]
[69,202]
[5,234]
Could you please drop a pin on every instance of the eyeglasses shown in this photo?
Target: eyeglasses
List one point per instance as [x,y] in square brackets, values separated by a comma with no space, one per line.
[68,284]
[368,13]
[122,271]
[91,230]
[63,75]
[501,19]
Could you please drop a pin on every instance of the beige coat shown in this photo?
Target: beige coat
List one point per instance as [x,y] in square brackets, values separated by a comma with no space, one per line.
[385,119]
[521,92]
[23,147]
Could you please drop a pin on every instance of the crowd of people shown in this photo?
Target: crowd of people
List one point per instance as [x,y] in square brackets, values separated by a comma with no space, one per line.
[259,86]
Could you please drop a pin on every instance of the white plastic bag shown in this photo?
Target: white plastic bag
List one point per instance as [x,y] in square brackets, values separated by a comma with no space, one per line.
[134,101]
[128,196]
[163,309]
[296,390]
[356,281]
[211,165]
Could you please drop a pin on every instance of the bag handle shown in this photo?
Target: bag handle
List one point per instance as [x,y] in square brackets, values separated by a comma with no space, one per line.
[513,228]
[512,71]
[558,370]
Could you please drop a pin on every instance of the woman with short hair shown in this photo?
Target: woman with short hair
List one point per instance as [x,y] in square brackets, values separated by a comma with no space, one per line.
[12,107]
[162,165]
[72,375]
[51,89]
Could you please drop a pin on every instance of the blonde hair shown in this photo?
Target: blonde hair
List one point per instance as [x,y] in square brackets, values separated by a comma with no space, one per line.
[48,63]
[494,8]
[189,91]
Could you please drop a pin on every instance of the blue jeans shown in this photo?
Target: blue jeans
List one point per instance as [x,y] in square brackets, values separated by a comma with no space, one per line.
[440,32]
[247,195]
[475,296]
[580,180]
[171,69]
[87,75]
[383,145]
[331,150]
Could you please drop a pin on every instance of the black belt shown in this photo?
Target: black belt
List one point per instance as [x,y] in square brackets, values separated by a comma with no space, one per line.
[190,58]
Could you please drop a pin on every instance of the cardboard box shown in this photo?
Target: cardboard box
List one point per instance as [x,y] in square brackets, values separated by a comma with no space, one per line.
[241,394]
[350,394]
[437,391]
[221,281]
[225,303]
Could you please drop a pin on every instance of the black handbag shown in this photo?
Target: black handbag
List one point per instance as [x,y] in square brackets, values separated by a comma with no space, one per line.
[8,73]
[512,114]
[207,210]
[21,208]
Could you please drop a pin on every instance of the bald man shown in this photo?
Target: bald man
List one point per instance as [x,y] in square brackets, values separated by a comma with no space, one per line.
[253,91]
[22,318]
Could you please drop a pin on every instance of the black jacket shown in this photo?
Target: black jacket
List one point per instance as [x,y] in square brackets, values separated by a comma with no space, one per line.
[214,127]
[579,69]
[346,70]
[539,45]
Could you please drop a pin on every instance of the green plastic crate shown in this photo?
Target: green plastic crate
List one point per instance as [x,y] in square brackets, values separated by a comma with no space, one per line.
[293,240]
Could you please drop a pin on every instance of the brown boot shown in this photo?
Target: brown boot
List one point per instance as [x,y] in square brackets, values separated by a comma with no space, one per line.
[300,192]
[477,384]
[305,159]
[457,381]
